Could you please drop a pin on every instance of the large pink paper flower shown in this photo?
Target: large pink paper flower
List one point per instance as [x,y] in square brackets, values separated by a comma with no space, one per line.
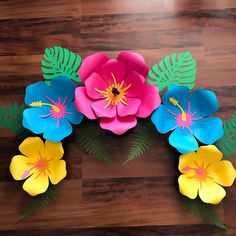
[115,91]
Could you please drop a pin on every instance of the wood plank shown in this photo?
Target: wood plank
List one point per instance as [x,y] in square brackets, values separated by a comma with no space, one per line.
[39,9]
[102,203]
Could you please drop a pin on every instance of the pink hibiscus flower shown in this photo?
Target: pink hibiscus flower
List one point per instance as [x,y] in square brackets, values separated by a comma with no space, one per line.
[115,91]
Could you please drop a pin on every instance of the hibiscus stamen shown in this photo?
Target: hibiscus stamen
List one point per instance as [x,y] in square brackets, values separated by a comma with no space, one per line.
[40,104]
[175,102]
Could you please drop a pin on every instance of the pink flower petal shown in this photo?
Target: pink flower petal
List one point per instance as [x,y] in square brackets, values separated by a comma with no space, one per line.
[118,125]
[115,67]
[83,103]
[134,62]
[137,84]
[95,81]
[100,111]
[92,64]
[130,109]
[150,100]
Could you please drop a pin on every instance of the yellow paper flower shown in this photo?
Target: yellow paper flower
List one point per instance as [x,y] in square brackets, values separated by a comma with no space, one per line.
[203,173]
[39,163]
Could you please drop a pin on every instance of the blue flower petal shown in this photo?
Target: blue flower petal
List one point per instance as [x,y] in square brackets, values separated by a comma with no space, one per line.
[76,117]
[204,102]
[33,121]
[38,92]
[56,134]
[183,140]
[163,120]
[181,94]
[208,130]
[63,87]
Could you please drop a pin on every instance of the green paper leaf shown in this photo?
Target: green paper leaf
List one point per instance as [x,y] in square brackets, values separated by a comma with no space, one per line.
[11,118]
[145,135]
[204,211]
[175,69]
[90,139]
[228,143]
[34,204]
[60,61]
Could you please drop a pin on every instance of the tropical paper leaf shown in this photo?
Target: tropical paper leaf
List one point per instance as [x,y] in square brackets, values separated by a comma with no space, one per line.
[228,143]
[90,139]
[145,135]
[58,61]
[11,118]
[40,201]
[179,69]
[204,211]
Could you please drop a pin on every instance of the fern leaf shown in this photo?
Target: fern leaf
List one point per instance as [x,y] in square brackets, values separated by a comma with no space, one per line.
[204,211]
[145,136]
[60,61]
[11,118]
[228,143]
[177,69]
[89,138]
[40,201]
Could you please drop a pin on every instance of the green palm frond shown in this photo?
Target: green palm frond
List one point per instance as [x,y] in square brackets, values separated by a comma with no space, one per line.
[90,139]
[144,137]
[40,201]
[58,61]
[228,143]
[11,118]
[204,211]
[179,69]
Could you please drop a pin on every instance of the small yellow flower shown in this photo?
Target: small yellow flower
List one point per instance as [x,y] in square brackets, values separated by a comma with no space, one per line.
[203,173]
[39,163]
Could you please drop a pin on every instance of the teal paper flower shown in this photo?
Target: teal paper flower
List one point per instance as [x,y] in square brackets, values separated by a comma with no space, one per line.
[51,109]
[189,117]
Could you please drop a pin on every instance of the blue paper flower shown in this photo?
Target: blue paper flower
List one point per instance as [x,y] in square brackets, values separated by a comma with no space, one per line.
[51,109]
[186,115]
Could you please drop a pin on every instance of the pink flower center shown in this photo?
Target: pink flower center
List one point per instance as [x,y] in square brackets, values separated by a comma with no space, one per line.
[42,166]
[184,119]
[201,173]
[115,92]
[58,110]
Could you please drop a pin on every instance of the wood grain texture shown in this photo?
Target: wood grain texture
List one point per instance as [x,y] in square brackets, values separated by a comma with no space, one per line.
[98,199]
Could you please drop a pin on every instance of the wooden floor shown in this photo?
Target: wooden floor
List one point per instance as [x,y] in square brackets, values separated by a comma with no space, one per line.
[100,199]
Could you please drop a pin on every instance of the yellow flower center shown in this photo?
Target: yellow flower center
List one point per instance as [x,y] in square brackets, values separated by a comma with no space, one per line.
[175,102]
[42,166]
[40,104]
[201,172]
[115,92]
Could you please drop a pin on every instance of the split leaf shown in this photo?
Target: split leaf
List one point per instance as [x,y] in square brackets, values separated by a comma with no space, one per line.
[175,69]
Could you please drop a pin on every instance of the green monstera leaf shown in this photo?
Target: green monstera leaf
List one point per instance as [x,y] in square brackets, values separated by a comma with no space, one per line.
[58,61]
[175,69]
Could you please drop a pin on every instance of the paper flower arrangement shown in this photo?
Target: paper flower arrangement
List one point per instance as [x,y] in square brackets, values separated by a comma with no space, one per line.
[52,109]
[188,117]
[39,163]
[115,91]
[203,173]
[118,92]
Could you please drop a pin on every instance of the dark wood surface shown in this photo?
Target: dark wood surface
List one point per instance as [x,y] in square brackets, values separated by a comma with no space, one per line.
[100,199]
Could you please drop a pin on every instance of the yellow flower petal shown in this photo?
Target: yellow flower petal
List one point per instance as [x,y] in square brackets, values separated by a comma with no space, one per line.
[58,171]
[188,186]
[36,184]
[209,154]
[53,150]
[211,192]
[223,173]
[18,166]
[187,160]
[31,147]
